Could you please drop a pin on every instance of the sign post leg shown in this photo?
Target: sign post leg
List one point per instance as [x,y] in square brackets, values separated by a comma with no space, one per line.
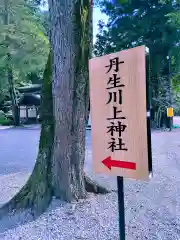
[121,207]
[148,70]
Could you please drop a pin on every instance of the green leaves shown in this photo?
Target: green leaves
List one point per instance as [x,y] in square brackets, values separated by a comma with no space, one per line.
[138,22]
[24,38]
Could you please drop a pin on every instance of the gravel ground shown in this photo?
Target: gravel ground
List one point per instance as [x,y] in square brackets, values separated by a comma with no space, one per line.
[152,209]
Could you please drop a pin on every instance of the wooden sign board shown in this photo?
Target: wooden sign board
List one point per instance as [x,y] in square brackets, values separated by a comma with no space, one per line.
[170,112]
[119,114]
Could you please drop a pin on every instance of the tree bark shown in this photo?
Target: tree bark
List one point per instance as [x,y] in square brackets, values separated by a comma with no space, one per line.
[70,90]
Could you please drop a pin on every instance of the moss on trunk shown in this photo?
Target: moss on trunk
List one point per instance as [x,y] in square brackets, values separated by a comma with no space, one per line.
[37,192]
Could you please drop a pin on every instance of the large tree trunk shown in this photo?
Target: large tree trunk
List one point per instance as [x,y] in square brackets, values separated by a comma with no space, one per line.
[65,100]
[70,31]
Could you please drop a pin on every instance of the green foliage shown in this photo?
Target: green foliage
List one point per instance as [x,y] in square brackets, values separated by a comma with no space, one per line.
[24,38]
[4,120]
[176,92]
[135,23]
[176,82]
[2,115]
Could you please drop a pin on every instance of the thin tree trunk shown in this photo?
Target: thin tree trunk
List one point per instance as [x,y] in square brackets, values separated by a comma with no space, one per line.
[15,107]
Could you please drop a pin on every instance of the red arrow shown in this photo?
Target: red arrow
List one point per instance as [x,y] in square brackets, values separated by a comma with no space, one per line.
[108,162]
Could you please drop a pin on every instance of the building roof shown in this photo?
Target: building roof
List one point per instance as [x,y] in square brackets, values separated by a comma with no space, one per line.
[30,99]
[30,89]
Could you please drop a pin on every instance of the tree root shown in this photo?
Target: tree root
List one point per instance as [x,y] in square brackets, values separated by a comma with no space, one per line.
[14,205]
[93,187]
[27,199]
[36,201]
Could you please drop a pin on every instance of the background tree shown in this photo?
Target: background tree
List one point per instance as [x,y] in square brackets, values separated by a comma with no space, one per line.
[23,47]
[174,19]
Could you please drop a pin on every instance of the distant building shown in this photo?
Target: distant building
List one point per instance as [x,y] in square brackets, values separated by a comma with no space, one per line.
[29,103]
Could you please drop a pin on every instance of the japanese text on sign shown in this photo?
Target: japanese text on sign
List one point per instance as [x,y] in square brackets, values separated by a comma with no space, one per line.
[115,96]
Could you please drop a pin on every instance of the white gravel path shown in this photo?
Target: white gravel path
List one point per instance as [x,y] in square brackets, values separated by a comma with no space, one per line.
[152,209]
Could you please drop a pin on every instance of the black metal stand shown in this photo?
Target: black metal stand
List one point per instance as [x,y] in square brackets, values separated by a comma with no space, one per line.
[121,209]
[148,111]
